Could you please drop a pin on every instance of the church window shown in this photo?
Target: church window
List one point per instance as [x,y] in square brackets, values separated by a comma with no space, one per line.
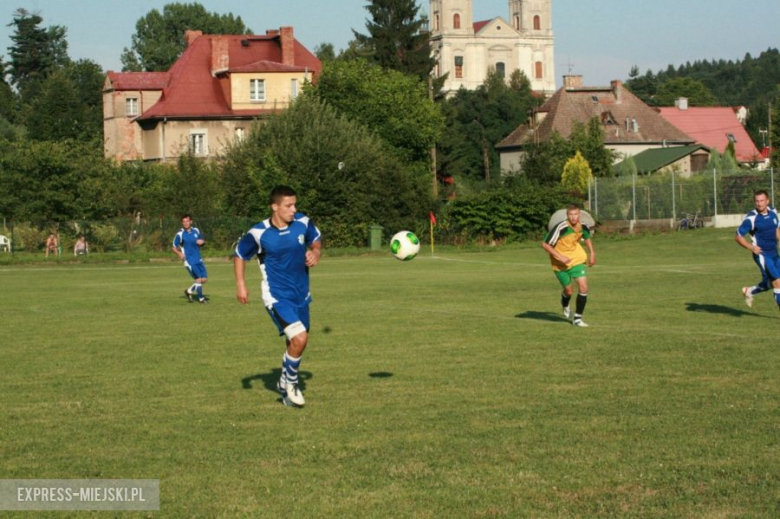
[539,74]
[459,67]
[436,21]
[517,22]
[537,23]
[456,21]
[501,69]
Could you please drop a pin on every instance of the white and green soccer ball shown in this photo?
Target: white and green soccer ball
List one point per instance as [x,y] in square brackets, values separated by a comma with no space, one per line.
[405,245]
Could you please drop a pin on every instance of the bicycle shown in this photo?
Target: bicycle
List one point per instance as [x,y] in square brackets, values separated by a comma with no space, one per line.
[690,221]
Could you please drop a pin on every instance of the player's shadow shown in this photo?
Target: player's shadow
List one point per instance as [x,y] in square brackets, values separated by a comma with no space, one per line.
[542,316]
[270,379]
[719,309]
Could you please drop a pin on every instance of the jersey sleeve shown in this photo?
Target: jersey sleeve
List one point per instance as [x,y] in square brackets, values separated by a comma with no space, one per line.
[745,227]
[312,234]
[586,232]
[247,247]
[177,240]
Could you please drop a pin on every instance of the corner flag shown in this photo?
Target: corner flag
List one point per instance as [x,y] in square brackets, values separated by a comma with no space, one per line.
[433,223]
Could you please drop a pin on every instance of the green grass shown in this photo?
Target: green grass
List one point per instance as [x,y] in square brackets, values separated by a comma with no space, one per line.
[448,386]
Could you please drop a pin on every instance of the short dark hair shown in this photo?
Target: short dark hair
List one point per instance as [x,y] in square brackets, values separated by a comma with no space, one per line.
[761,192]
[572,207]
[186,215]
[280,192]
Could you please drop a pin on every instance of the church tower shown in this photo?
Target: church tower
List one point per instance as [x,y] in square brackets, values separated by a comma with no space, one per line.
[466,50]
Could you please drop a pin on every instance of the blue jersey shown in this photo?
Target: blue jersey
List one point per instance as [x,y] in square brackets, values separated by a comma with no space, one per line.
[763,230]
[281,254]
[187,240]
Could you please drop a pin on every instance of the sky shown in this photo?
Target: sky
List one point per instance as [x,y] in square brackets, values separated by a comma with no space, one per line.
[599,39]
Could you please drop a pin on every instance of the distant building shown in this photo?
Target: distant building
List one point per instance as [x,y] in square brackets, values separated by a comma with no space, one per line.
[465,49]
[714,127]
[630,126]
[208,97]
[680,159]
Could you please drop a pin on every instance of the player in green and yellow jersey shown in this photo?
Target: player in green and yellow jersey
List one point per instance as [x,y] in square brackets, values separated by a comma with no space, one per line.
[569,259]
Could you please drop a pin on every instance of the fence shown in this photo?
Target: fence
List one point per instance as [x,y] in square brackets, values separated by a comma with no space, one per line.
[669,195]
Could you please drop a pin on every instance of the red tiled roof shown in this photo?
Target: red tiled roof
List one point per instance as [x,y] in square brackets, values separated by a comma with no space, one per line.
[138,80]
[615,106]
[267,66]
[711,127]
[191,90]
[479,25]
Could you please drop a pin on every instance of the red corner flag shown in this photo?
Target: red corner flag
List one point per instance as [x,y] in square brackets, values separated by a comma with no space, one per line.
[433,219]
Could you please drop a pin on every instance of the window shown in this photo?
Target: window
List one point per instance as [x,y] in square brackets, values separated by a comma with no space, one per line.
[131,106]
[501,69]
[293,88]
[456,21]
[239,134]
[538,74]
[458,66]
[257,89]
[198,143]
[436,21]
[537,23]
[517,23]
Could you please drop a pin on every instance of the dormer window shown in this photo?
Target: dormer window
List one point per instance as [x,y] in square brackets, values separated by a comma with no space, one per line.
[257,90]
[607,118]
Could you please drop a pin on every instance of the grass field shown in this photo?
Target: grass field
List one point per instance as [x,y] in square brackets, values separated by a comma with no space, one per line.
[449,386]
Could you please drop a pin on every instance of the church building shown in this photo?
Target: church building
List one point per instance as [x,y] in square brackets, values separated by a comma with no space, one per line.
[465,49]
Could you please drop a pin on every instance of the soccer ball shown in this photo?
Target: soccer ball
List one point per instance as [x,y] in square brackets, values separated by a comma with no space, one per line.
[405,245]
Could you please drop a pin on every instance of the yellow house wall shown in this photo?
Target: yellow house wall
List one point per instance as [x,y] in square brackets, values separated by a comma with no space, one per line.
[170,139]
[277,89]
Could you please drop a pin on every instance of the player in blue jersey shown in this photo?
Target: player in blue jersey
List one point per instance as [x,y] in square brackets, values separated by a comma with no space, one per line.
[763,225]
[186,245]
[286,245]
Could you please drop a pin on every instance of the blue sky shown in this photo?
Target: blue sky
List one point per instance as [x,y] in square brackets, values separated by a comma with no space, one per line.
[600,39]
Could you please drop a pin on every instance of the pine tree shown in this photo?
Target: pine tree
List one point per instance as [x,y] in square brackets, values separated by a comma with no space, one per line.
[36,52]
[397,37]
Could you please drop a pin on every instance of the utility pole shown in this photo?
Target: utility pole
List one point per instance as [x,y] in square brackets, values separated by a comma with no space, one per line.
[433,146]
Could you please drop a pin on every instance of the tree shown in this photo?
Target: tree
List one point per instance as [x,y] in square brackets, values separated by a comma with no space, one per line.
[397,37]
[478,119]
[69,104]
[694,90]
[577,174]
[159,37]
[394,105]
[545,161]
[775,132]
[36,52]
[644,87]
[325,52]
[346,177]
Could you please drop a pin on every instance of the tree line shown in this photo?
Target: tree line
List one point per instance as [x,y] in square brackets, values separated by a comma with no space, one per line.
[357,145]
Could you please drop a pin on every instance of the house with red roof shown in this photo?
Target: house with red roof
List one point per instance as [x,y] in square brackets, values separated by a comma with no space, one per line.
[210,96]
[629,125]
[714,127]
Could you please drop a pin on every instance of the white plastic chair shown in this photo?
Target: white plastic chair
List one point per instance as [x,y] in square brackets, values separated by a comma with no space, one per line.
[5,243]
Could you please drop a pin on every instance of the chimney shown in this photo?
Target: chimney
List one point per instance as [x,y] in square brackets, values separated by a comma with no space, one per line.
[681,103]
[190,36]
[271,32]
[220,60]
[570,82]
[288,45]
[617,87]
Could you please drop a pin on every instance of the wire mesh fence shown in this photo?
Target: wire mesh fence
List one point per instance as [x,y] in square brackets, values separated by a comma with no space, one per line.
[671,195]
